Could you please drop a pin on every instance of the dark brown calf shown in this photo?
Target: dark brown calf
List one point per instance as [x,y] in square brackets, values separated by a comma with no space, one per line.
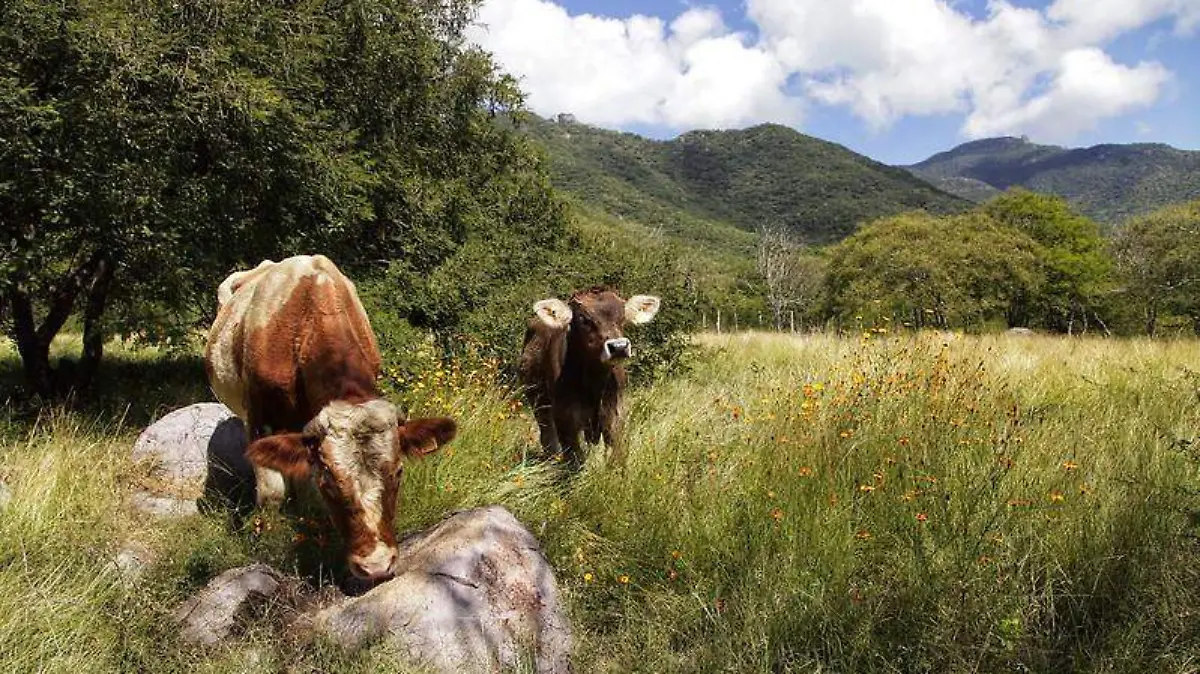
[571,367]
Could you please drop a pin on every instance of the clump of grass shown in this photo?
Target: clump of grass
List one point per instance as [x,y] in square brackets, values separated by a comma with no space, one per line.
[885,503]
[918,503]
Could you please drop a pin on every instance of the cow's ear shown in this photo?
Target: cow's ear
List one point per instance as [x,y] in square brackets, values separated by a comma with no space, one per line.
[641,308]
[553,312]
[286,452]
[418,437]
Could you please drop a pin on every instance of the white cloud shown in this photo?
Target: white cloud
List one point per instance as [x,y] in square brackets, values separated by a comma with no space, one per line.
[1016,70]
[1093,21]
[693,72]
[1088,87]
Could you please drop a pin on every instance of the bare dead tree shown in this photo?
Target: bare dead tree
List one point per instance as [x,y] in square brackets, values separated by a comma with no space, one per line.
[793,275]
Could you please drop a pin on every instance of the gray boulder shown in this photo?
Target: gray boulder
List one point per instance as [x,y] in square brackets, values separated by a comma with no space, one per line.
[216,613]
[199,452]
[1020,332]
[472,594]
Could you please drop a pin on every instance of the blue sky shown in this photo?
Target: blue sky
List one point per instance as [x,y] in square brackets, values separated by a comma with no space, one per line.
[897,80]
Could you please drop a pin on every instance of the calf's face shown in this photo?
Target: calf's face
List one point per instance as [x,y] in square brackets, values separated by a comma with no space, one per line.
[596,320]
[353,453]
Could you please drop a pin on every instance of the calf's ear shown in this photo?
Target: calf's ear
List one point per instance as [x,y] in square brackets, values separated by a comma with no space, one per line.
[553,312]
[284,452]
[641,308]
[418,437]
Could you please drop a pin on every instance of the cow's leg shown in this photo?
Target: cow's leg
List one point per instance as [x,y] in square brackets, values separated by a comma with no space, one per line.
[568,428]
[612,427]
[547,433]
[269,485]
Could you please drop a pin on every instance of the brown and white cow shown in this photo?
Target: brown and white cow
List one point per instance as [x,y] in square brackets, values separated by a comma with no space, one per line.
[292,353]
[571,367]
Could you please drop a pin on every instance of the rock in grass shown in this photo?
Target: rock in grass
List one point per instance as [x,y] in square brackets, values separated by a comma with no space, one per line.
[472,594]
[132,560]
[199,450]
[219,610]
[162,506]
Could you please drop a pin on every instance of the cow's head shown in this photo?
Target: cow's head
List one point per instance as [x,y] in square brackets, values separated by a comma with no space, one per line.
[596,321]
[353,453]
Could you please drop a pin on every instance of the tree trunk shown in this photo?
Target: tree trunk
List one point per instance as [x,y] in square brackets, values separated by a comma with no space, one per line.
[34,352]
[1151,319]
[33,340]
[93,330]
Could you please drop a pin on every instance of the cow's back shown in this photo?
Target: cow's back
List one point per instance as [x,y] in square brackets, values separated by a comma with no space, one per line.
[287,338]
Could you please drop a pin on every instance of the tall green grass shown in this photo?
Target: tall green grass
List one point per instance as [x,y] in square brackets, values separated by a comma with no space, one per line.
[879,504]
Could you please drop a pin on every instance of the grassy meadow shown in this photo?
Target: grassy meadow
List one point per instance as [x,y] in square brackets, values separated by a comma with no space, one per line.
[878,503]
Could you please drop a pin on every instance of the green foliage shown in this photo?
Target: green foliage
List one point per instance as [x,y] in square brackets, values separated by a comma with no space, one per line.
[481,299]
[918,270]
[1108,183]
[1073,254]
[157,146]
[1159,259]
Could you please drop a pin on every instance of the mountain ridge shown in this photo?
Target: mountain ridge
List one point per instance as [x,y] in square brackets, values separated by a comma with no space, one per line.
[768,174]
[1109,182]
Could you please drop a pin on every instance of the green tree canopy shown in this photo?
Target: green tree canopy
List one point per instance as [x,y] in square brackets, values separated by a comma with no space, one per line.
[924,271]
[1159,259]
[149,148]
[1078,269]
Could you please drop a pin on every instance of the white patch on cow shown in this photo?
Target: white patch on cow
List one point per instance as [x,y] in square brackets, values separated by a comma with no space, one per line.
[236,280]
[269,485]
[359,442]
[553,312]
[641,309]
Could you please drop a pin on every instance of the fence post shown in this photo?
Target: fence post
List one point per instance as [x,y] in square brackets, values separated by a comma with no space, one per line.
[718,321]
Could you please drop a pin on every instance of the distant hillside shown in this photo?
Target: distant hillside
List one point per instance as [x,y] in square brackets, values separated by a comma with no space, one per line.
[704,181]
[1107,182]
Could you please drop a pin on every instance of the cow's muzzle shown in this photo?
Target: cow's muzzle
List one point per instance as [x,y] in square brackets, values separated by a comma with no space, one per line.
[378,566]
[617,349]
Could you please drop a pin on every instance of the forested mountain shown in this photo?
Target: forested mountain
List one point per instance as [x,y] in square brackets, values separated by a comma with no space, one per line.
[1107,182]
[765,175]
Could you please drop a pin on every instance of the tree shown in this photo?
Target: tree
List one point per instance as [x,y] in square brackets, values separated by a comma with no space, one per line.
[150,148]
[1077,265]
[1159,258]
[792,275]
[920,271]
